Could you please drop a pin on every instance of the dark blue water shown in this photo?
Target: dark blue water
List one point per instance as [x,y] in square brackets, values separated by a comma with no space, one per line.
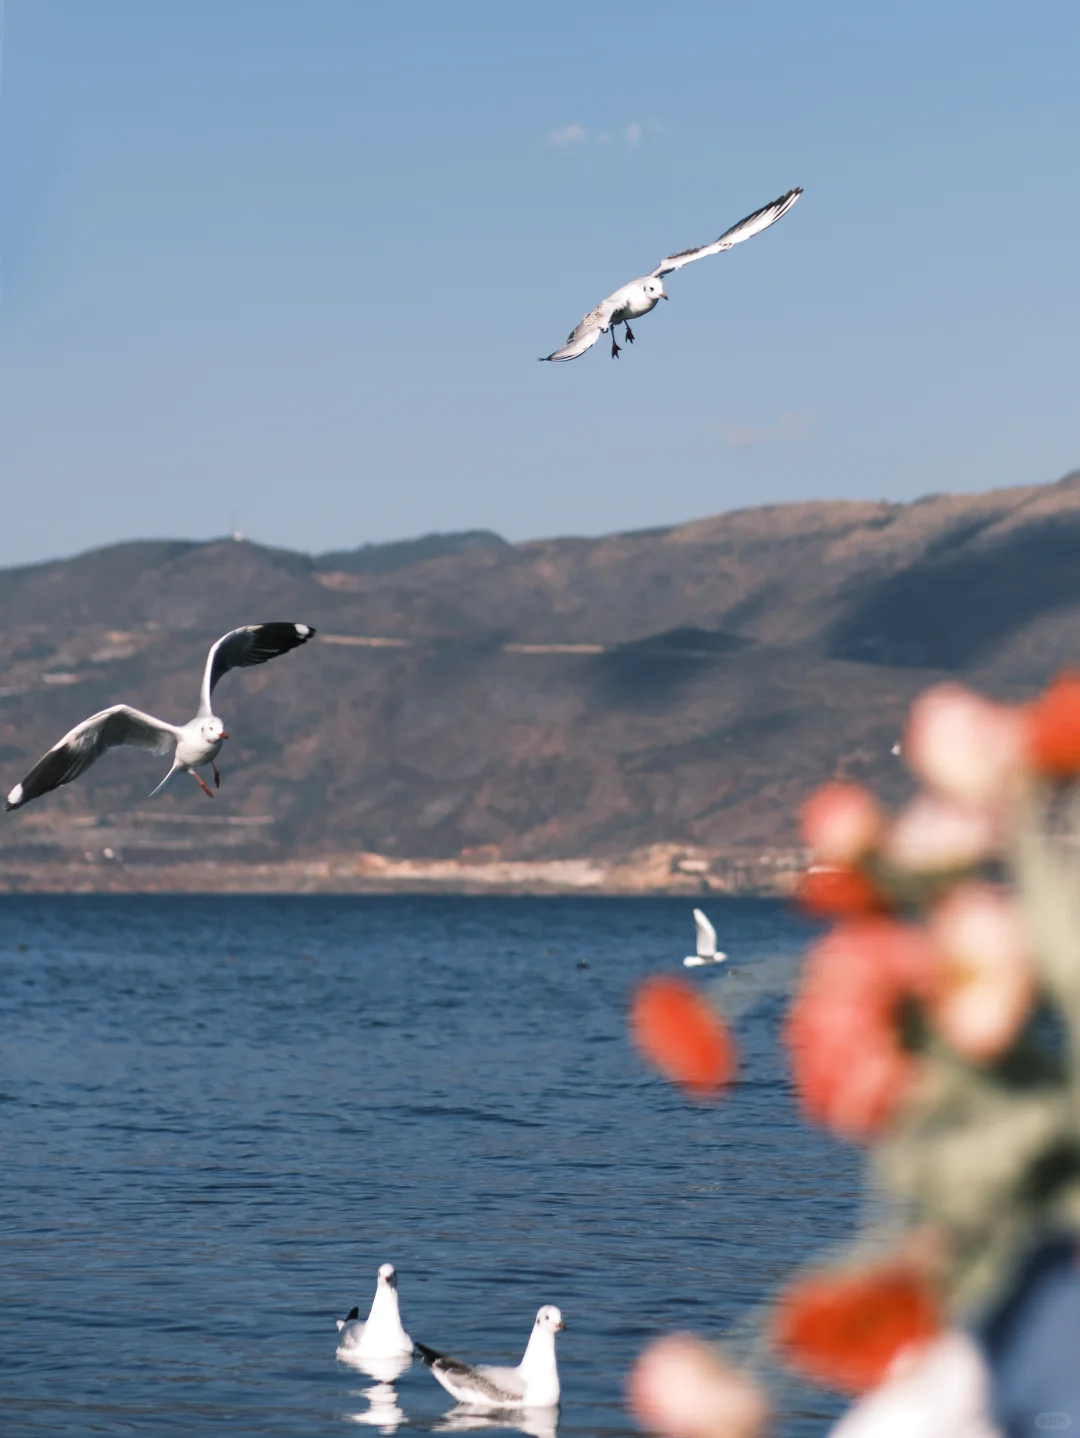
[219,1115]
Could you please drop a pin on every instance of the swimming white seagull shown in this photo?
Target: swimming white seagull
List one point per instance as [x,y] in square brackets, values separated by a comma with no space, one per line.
[381,1336]
[195,743]
[534,1383]
[707,952]
[642,295]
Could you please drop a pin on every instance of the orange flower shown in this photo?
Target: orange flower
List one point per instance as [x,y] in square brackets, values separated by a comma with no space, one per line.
[838,890]
[988,983]
[844,1331]
[841,822]
[964,746]
[680,1387]
[850,1065]
[682,1035]
[1053,727]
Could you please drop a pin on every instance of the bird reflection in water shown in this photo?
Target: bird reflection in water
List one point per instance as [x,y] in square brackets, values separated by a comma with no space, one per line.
[535,1422]
[384,1412]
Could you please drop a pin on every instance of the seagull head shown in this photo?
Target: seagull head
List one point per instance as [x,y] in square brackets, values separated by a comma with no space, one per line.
[550,1319]
[214,731]
[387,1276]
[655,289]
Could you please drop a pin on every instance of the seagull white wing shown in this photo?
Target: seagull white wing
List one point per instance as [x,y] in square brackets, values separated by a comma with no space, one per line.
[485,1386]
[706,936]
[585,335]
[752,225]
[253,644]
[77,750]
[507,1380]
[350,1328]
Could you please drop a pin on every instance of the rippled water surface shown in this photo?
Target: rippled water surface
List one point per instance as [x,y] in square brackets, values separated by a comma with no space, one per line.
[219,1115]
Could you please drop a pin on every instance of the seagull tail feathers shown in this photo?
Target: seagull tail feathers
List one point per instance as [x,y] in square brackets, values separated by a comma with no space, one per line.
[166,781]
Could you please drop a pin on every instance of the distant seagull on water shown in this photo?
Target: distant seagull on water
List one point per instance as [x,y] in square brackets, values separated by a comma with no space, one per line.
[640,296]
[195,743]
[534,1383]
[707,952]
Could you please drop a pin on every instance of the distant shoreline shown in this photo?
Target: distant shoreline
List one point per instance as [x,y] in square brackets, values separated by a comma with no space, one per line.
[656,869]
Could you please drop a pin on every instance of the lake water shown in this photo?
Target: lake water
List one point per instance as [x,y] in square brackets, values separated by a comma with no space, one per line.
[219,1115]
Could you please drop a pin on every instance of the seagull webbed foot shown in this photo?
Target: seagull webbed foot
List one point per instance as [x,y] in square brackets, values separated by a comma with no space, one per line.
[629,335]
[217,776]
[615,347]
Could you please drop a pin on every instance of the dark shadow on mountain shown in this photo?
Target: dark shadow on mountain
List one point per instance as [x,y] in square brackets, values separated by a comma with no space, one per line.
[652,670]
[950,612]
[385,558]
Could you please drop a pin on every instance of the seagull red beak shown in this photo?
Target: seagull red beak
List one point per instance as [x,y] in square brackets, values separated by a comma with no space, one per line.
[663,294]
[224,733]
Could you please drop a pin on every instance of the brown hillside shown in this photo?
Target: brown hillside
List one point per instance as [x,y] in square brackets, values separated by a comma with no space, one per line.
[715,672]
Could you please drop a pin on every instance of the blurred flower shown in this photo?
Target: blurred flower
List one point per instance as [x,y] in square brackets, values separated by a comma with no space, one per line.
[965,746]
[682,1035]
[1053,727]
[987,981]
[837,890]
[934,834]
[841,822]
[844,1330]
[679,1387]
[850,1064]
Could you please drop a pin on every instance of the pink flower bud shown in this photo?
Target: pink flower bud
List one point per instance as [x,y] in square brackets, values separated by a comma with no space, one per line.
[841,822]
[987,983]
[680,1387]
[933,834]
[965,746]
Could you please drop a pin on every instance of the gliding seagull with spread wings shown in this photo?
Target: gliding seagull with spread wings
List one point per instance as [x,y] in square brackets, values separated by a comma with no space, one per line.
[195,743]
[640,296]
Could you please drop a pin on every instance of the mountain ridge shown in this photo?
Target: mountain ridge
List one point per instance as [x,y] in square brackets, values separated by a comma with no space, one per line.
[541,700]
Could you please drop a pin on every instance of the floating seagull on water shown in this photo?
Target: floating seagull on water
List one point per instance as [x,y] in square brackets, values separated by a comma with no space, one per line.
[640,296]
[381,1337]
[195,743]
[534,1383]
[707,952]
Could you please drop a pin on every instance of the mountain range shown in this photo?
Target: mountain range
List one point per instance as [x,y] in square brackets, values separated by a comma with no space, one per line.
[475,699]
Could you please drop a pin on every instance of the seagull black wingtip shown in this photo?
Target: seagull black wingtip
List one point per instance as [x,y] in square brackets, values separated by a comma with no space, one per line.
[428,1355]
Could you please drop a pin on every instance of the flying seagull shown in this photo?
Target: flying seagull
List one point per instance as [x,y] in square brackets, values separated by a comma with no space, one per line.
[707,952]
[195,743]
[381,1335]
[640,296]
[534,1383]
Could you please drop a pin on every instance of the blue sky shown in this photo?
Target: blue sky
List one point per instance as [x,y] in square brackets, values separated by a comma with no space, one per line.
[295,263]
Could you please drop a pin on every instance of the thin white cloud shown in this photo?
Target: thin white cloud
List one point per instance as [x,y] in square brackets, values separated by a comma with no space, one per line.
[790,428]
[568,135]
[575,134]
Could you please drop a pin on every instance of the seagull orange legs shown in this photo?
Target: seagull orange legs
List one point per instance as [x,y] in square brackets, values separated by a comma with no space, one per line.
[208,792]
[217,776]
